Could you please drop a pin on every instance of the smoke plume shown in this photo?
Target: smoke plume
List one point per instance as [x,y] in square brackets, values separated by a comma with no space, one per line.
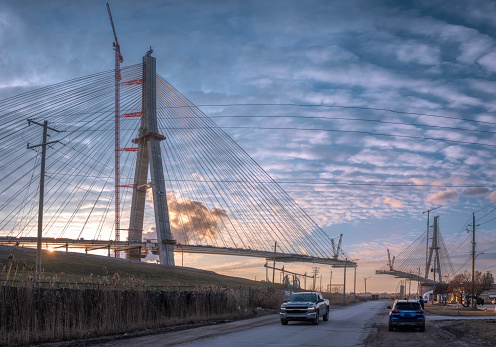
[191,220]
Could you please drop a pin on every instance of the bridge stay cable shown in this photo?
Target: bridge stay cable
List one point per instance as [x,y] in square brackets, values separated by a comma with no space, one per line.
[218,196]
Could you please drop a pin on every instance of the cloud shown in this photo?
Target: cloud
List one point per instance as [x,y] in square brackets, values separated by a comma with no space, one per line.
[393,202]
[489,61]
[150,234]
[476,191]
[191,221]
[448,194]
[418,53]
[492,196]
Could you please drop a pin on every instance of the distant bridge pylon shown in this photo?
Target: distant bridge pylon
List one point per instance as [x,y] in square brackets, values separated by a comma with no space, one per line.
[412,262]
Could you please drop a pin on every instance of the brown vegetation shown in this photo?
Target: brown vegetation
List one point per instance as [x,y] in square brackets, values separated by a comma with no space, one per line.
[456,311]
[70,305]
[36,315]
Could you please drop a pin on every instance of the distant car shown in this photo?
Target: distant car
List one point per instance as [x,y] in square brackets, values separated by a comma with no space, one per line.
[406,313]
[480,301]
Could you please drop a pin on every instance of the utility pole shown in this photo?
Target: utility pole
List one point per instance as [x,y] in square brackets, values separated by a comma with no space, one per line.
[330,284]
[42,190]
[473,260]
[344,281]
[365,281]
[266,274]
[354,286]
[427,238]
[274,268]
[315,273]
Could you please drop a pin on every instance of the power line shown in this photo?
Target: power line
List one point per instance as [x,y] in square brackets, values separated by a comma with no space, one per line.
[345,107]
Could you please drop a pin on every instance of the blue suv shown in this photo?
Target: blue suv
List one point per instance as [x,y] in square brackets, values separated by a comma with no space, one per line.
[406,313]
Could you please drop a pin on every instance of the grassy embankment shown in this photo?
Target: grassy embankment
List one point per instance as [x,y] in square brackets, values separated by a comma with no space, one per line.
[62,269]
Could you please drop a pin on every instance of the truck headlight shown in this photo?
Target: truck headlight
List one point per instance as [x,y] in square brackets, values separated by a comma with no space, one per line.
[311,309]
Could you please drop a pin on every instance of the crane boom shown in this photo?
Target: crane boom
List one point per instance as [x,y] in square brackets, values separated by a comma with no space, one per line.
[116,43]
[117,75]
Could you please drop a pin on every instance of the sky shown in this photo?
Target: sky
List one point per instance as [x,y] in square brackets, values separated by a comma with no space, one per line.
[406,120]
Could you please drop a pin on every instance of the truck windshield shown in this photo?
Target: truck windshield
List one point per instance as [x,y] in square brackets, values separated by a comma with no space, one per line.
[303,298]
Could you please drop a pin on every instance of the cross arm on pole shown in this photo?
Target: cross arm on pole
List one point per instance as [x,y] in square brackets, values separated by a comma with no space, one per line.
[41,144]
[35,122]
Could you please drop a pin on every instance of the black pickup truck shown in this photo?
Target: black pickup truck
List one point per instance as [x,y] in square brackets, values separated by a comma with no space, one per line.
[309,306]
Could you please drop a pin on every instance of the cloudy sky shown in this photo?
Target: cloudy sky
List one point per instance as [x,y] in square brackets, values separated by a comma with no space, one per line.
[366,112]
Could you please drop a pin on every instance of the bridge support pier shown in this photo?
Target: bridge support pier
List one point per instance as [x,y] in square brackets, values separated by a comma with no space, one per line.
[149,153]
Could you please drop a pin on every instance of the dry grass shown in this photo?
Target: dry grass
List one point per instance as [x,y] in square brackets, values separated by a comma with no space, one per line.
[32,315]
[45,315]
[82,297]
[452,311]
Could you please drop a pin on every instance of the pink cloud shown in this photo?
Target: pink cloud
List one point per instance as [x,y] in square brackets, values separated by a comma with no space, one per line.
[492,196]
[393,202]
[443,196]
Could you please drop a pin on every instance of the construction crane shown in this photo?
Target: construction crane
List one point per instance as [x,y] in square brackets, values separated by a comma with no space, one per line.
[116,43]
[118,61]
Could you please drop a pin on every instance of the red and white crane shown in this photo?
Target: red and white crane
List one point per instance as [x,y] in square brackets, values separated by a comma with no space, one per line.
[118,61]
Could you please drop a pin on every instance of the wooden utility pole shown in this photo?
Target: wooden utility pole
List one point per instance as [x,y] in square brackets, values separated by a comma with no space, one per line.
[365,281]
[344,281]
[330,284]
[42,191]
[274,268]
[473,260]
[354,287]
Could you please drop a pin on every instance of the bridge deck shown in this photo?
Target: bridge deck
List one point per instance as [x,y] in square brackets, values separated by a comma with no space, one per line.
[91,245]
[400,274]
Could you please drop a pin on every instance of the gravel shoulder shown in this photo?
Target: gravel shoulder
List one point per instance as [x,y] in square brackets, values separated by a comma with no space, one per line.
[445,330]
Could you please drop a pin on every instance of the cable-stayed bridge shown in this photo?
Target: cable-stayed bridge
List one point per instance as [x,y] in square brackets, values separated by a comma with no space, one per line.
[426,260]
[180,179]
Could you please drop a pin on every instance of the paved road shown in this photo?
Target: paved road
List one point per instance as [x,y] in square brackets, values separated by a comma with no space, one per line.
[347,326]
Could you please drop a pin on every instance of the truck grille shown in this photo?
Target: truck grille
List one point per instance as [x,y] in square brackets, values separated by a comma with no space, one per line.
[302,309]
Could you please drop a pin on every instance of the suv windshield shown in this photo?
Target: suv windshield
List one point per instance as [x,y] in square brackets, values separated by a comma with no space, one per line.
[302,297]
[407,306]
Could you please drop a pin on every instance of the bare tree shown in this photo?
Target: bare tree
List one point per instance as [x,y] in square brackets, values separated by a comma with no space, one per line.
[460,287]
[482,283]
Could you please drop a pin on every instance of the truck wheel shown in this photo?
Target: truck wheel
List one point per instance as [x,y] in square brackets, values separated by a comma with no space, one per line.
[284,322]
[390,327]
[316,320]
[422,328]
[326,315]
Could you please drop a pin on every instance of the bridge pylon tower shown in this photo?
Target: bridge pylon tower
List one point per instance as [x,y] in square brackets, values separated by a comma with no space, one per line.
[434,251]
[149,157]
